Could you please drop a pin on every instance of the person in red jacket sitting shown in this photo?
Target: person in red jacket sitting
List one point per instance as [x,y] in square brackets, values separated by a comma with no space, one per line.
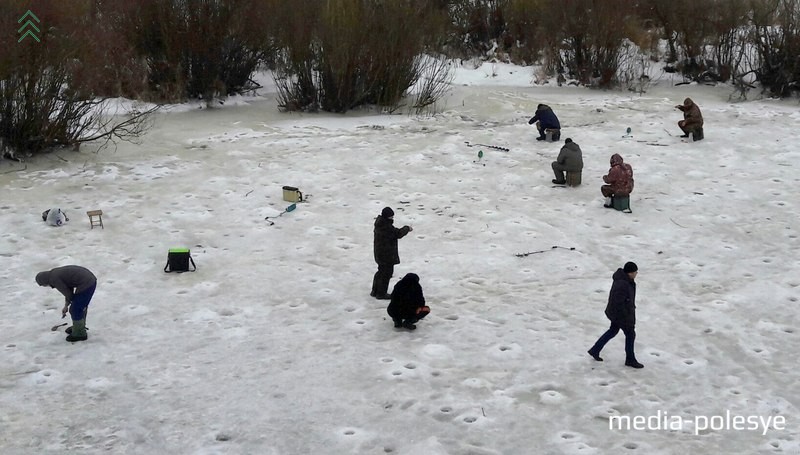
[619,180]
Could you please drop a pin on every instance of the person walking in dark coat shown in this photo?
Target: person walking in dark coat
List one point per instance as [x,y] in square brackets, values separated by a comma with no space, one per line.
[545,119]
[385,250]
[408,304]
[621,311]
[77,284]
[692,122]
[570,159]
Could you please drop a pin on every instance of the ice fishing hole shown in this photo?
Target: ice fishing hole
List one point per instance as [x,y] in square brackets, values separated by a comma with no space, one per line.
[349,432]
[446,409]
[630,445]
[470,419]
[688,362]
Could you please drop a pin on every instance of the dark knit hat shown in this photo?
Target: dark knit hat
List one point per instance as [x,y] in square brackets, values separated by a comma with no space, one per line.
[387,212]
[630,267]
[568,140]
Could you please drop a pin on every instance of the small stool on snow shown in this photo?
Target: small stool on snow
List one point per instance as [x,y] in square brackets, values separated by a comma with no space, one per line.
[621,203]
[552,134]
[573,178]
[95,222]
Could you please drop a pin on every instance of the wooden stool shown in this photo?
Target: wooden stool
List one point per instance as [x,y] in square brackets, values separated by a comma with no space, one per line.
[95,222]
[573,178]
[622,204]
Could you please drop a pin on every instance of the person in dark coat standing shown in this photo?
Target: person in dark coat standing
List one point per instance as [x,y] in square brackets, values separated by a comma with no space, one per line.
[408,304]
[570,159]
[621,311]
[77,284]
[692,122]
[546,119]
[385,250]
[619,180]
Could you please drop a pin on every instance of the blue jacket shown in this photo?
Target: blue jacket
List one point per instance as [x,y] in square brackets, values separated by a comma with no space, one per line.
[546,117]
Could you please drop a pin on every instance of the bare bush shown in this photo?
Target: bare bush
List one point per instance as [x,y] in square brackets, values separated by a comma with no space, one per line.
[44,100]
[777,40]
[353,54]
[435,77]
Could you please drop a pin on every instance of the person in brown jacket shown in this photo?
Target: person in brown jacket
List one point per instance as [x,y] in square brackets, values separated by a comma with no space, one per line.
[692,122]
[619,180]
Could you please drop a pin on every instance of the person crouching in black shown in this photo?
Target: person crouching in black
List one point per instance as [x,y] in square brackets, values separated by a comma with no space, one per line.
[408,304]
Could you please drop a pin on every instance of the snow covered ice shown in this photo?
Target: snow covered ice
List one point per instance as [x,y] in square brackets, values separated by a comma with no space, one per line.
[274,345]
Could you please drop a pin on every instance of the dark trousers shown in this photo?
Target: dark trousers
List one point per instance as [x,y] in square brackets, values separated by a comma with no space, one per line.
[413,319]
[80,304]
[559,169]
[380,282]
[630,337]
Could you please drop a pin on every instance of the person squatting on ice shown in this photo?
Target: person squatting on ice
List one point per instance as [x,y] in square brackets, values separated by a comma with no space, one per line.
[570,159]
[621,311]
[619,180]
[692,122]
[408,304]
[77,284]
[545,119]
[385,250]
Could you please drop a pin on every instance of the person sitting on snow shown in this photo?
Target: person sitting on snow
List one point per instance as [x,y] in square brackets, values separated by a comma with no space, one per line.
[619,180]
[545,119]
[408,304]
[692,122]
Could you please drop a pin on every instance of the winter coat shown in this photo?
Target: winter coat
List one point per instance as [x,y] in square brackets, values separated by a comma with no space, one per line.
[691,114]
[620,176]
[68,280]
[546,118]
[621,308]
[571,157]
[385,244]
[406,298]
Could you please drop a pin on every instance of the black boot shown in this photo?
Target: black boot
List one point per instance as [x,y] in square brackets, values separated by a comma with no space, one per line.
[398,323]
[409,325]
[684,135]
[595,355]
[78,332]
[633,364]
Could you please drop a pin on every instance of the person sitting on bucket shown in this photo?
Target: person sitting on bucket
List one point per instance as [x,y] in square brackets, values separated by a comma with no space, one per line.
[692,122]
[570,159]
[619,180]
[545,119]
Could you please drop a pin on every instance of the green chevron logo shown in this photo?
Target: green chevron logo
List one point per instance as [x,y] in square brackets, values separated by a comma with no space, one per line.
[30,27]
